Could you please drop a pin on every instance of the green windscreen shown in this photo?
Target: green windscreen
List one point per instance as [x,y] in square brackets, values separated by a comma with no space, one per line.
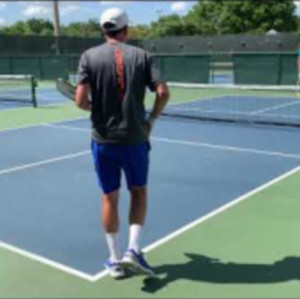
[184,68]
[265,68]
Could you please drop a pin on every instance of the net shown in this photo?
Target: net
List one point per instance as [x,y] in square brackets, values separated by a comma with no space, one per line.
[257,104]
[277,105]
[18,88]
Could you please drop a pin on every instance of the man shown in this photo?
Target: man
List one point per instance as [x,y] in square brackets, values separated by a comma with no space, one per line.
[116,75]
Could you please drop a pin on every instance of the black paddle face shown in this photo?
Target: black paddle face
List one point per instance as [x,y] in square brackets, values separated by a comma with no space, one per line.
[66,89]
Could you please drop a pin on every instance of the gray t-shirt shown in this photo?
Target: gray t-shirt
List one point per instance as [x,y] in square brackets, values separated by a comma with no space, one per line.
[118,75]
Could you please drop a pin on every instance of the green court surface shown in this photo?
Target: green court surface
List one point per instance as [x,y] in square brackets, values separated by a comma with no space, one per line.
[250,250]
[27,116]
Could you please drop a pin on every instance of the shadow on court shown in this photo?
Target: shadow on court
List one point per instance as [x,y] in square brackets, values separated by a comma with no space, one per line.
[205,269]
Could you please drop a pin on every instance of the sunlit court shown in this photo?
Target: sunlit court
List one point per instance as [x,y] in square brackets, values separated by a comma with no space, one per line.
[222,216]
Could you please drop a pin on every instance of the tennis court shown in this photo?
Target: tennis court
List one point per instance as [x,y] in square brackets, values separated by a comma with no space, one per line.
[223,207]
[23,91]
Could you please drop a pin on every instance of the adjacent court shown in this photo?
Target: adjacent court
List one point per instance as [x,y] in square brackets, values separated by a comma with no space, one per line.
[222,222]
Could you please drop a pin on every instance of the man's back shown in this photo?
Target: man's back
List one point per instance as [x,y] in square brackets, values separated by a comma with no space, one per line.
[118,75]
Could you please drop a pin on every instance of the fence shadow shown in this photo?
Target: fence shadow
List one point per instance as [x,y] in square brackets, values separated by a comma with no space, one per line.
[206,269]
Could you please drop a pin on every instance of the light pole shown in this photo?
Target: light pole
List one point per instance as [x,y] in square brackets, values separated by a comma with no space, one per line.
[56,24]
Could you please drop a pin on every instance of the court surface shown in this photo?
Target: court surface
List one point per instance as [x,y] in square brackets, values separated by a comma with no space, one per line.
[46,95]
[222,221]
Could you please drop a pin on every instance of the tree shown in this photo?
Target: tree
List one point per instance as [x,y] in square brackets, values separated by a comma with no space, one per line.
[298,24]
[29,27]
[18,28]
[205,18]
[240,17]
[171,25]
[40,27]
[139,32]
[91,28]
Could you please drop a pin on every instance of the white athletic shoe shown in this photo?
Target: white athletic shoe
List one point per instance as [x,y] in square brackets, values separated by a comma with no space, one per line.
[115,269]
[136,262]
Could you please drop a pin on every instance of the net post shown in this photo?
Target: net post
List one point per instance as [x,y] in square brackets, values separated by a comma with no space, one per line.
[33,91]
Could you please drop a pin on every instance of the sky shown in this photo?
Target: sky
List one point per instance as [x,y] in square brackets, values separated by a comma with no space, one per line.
[140,12]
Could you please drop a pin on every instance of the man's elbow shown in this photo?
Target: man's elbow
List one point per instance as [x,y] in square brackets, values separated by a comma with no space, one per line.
[165,95]
[81,97]
[83,104]
[163,92]
[80,100]
[79,103]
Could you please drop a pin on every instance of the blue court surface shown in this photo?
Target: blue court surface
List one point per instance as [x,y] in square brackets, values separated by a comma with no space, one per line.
[51,200]
[225,78]
[14,99]
[254,104]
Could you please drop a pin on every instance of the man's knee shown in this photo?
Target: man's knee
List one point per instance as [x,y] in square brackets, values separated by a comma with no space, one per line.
[139,192]
[111,197]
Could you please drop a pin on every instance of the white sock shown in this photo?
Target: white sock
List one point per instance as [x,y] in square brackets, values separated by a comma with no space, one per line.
[134,237]
[111,239]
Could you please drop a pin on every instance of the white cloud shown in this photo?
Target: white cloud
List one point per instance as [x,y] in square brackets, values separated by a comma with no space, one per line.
[2,5]
[179,7]
[36,10]
[2,22]
[297,3]
[30,3]
[68,9]
[117,3]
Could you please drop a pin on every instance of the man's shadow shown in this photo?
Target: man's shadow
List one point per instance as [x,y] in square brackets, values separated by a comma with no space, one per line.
[206,269]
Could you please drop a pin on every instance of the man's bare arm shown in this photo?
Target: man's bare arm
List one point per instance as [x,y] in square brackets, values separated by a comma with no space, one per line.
[162,97]
[82,97]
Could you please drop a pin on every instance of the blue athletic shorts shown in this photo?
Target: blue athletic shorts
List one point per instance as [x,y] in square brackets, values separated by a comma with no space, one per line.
[111,159]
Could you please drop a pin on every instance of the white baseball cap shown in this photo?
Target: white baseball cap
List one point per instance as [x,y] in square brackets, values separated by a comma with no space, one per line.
[114,16]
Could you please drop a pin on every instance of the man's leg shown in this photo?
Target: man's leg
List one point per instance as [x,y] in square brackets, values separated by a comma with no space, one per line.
[109,176]
[133,257]
[136,166]
[137,216]
[110,222]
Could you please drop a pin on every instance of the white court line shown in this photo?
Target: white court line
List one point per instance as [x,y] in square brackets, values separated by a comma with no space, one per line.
[46,261]
[160,241]
[9,107]
[43,162]
[66,127]
[35,256]
[186,103]
[227,148]
[232,112]
[44,123]
[198,144]
[48,91]
[29,105]
[156,244]
[275,107]
[204,218]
